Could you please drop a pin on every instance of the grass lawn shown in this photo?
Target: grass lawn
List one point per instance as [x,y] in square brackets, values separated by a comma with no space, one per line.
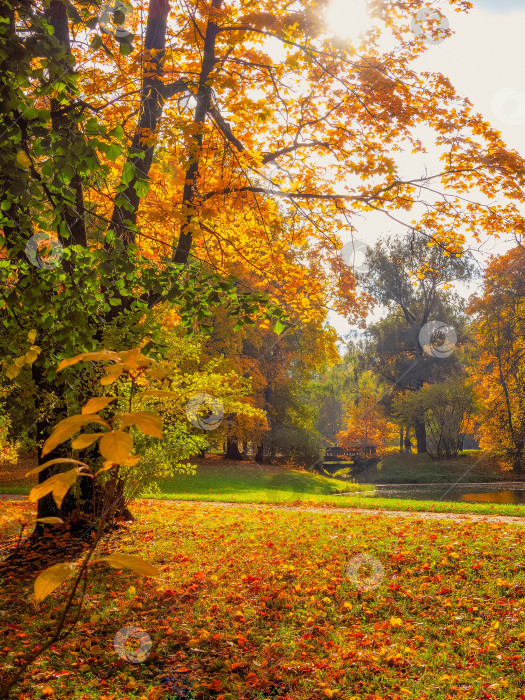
[472,466]
[245,482]
[217,479]
[254,604]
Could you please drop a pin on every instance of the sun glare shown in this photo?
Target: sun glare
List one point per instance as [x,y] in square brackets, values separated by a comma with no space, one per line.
[349,19]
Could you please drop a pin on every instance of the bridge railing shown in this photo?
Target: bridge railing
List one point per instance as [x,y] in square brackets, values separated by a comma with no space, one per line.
[339,452]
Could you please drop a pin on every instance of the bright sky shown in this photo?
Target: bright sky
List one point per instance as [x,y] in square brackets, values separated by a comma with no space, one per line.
[485,60]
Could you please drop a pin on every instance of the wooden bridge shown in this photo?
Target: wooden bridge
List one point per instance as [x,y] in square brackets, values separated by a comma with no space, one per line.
[336,458]
[339,453]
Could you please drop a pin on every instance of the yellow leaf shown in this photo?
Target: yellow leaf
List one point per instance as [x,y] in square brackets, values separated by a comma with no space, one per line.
[50,521]
[149,422]
[85,356]
[51,578]
[32,354]
[116,446]
[133,359]
[132,460]
[23,160]
[58,485]
[12,371]
[97,403]
[68,427]
[70,361]
[130,561]
[112,374]
[85,440]
[157,373]
[31,336]
[396,622]
[59,460]
[106,467]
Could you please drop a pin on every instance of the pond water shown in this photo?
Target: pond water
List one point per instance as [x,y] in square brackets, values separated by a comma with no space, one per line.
[511,493]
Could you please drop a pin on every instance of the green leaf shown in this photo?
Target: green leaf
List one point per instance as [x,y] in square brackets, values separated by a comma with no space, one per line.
[119,16]
[118,132]
[73,13]
[125,48]
[128,173]
[30,113]
[113,152]
[279,327]
[141,188]
[96,42]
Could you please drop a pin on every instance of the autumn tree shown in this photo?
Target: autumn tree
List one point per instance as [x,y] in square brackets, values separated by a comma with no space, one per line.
[367,427]
[499,324]
[224,132]
[287,368]
[447,410]
[411,278]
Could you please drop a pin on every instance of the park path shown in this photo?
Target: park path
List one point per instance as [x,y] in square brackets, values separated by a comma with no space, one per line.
[413,515]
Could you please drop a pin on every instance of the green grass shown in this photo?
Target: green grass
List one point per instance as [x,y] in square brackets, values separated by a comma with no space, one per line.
[246,482]
[219,480]
[15,488]
[471,466]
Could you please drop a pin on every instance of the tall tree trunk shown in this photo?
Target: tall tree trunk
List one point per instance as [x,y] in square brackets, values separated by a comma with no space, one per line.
[401,439]
[141,152]
[202,108]
[259,453]
[421,436]
[46,418]
[517,462]
[232,450]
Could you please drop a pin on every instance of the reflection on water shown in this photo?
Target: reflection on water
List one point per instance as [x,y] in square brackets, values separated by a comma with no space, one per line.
[471,493]
[513,497]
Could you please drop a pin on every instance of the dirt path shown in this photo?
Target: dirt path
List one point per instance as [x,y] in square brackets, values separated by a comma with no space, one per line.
[413,515]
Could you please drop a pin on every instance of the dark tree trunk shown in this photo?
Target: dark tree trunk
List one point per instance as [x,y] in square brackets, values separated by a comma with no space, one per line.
[259,454]
[80,503]
[517,462]
[203,103]
[401,439]
[141,152]
[232,450]
[421,436]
